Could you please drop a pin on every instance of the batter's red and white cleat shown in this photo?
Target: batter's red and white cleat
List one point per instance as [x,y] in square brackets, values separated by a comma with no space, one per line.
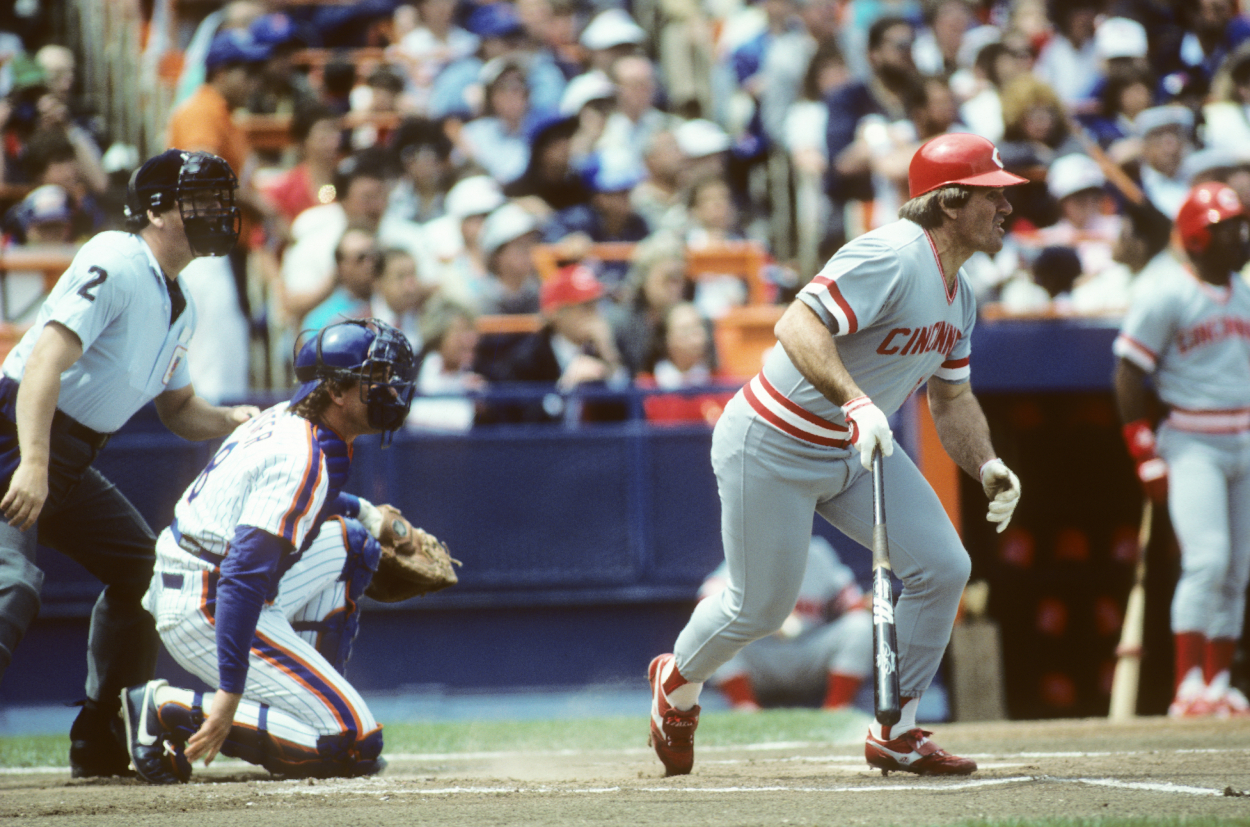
[1233,704]
[672,730]
[914,752]
[1188,705]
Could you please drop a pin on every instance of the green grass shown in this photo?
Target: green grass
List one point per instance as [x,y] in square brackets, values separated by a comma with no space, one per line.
[35,751]
[717,729]
[720,729]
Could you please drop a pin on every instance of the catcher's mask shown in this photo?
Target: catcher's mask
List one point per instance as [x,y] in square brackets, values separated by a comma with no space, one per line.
[202,186]
[368,351]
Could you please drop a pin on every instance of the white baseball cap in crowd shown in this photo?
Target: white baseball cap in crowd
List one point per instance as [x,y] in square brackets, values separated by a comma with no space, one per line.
[1211,159]
[699,138]
[1120,37]
[475,195]
[974,40]
[581,90]
[1158,117]
[508,223]
[1073,173]
[613,27]
[46,204]
[496,66]
[614,170]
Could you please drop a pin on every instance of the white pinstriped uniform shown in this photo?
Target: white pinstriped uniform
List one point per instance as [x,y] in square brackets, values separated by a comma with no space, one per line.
[266,475]
[782,450]
[1193,339]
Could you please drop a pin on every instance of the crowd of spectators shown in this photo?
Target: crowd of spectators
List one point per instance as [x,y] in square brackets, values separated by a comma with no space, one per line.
[433,145]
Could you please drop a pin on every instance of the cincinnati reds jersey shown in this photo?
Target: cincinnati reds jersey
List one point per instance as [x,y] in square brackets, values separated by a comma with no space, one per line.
[884,297]
[115,299]
[269,474]
[1194,338]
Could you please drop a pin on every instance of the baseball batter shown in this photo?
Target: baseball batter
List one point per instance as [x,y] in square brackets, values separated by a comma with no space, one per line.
[257,578]
[1188,331]
[825,645]
[111,337]
[888,313]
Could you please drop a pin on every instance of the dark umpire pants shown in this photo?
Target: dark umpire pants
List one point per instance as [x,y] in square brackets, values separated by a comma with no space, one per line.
[88,519]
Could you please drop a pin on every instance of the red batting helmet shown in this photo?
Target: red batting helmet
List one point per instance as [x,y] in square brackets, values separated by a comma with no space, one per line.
[957,158]
[1206,204]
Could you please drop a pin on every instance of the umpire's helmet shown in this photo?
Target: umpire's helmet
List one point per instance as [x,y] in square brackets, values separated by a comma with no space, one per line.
[202,186]
[369,351]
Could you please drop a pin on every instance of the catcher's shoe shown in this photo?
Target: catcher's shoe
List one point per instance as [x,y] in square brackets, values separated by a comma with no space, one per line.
[96,745]
[914,752]
[154,756]
[672,730]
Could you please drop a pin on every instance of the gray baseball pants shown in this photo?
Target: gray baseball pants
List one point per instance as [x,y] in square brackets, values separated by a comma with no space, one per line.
[770,484]
[1209,503]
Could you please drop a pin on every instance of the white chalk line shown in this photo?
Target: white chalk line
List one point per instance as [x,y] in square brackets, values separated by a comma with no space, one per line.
[376,788]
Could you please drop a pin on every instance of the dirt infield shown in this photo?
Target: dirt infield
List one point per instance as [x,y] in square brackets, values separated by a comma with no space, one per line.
[1149,768]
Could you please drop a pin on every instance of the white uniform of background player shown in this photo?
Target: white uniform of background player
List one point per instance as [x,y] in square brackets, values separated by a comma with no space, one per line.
[901,312]
[823,648]
[1192,338]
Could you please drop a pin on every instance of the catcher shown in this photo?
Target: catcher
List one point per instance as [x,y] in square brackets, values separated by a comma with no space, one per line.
[258,579]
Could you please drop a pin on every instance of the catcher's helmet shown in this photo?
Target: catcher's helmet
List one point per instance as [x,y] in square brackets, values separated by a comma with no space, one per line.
[957,158]
[202,186]
[1206,204]
[369,351]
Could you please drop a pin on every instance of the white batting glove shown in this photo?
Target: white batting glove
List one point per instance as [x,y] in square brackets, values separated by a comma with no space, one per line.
[1003,489]
[869,429]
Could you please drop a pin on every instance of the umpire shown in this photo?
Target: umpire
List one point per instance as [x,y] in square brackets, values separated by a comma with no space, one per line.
[111,337]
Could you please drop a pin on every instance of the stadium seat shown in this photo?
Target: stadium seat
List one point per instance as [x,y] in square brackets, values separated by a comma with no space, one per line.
[743,337]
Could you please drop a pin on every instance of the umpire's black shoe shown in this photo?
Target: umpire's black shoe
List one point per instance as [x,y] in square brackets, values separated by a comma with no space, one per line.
[153,755]
[96,745]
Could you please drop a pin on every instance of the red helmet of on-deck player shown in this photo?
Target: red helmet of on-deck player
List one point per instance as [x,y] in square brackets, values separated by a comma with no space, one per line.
[1206,204]
[957,158]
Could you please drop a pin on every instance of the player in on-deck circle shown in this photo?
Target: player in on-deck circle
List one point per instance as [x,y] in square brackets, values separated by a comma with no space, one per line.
[1188,331]
[111,337]
[257,580]
[889,312]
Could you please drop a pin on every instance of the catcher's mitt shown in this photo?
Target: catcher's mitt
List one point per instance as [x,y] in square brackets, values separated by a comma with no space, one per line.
[413,562]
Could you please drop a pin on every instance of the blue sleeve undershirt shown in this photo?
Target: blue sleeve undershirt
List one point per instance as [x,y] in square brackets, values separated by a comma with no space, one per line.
[248,575]
[346,505]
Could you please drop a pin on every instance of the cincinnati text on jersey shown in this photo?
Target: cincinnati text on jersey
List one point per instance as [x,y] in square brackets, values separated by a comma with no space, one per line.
[1212,330]
[939,336]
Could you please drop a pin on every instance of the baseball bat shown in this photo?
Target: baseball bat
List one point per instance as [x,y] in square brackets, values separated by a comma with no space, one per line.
[1113,172]
[884,636]
[1128,654]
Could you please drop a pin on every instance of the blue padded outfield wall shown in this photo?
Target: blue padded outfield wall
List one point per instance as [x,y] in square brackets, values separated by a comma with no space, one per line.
[582,548]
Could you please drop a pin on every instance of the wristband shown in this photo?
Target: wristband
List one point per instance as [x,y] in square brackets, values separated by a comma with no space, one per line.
[981,470]
[855,404]
[1140,439]
[370,517]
